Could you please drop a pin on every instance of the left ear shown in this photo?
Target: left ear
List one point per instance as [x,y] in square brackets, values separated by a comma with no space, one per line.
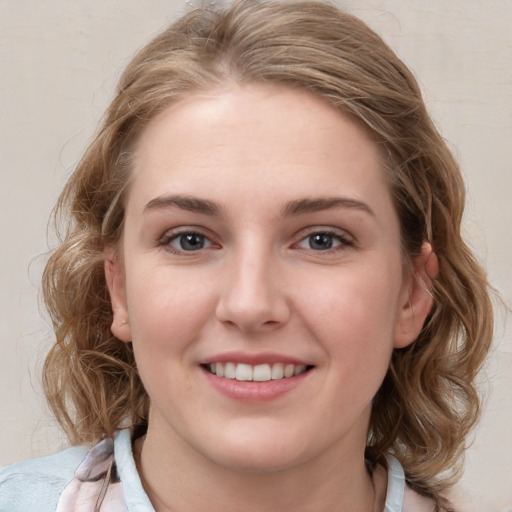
[417,299]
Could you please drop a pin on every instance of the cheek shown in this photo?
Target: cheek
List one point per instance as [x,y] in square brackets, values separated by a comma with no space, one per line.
[168,314]
[353,316]
[167,309]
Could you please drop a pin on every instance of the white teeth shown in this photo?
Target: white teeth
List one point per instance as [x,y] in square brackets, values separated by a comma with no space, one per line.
[277,371]
[299,369]
[243,372]
[261,372]
[258,373]
[230,370]
[288,370]
[219,369]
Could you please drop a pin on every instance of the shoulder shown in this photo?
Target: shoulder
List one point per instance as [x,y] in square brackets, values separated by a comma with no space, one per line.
[36,484]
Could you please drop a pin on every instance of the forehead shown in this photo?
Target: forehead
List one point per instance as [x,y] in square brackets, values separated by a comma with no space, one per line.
[255,137]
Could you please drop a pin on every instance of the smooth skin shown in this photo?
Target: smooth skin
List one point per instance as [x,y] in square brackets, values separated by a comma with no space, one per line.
[259,222]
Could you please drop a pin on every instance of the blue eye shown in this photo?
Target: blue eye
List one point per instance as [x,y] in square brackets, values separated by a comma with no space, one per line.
[189,242]
[324,241]
[321,241]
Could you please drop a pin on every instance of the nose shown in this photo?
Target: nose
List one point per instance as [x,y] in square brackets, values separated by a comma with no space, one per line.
[253,298]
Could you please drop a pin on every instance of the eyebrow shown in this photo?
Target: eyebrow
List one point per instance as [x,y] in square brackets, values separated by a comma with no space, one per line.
[191,204]
[309,205]
[297,207]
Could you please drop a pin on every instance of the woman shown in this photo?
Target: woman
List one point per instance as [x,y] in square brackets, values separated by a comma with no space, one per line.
[263,278]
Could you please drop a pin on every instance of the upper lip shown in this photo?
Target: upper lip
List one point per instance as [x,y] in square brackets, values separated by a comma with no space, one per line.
[254,359]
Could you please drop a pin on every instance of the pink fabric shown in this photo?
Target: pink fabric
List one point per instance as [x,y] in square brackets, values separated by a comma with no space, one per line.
[95,486]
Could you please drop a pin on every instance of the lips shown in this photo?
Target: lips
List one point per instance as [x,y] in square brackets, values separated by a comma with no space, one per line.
[255,377]
[255,373]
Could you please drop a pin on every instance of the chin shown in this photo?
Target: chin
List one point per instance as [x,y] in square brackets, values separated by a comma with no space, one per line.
[248,461]
[259,451]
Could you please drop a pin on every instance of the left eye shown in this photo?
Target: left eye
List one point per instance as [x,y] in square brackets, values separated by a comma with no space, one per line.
[189,242]
[322,241]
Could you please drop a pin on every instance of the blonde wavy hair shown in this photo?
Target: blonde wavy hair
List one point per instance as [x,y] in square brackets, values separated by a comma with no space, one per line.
[427,403]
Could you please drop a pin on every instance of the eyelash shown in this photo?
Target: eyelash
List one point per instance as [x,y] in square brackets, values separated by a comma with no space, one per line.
[168,238]
[344,241]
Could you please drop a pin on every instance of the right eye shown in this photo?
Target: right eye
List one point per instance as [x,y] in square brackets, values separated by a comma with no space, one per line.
[186,242]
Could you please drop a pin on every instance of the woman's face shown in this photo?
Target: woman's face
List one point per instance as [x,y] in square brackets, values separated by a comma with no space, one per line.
[260,241]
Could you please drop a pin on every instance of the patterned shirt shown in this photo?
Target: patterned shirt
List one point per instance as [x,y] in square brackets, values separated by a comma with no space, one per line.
[104,478]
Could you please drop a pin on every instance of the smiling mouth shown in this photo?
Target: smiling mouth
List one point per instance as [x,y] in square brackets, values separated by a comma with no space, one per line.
[256,373]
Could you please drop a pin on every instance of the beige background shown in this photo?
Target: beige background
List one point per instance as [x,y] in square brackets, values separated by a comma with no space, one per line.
[59,61]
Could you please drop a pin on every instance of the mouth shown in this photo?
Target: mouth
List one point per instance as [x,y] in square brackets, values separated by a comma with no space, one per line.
[255,373]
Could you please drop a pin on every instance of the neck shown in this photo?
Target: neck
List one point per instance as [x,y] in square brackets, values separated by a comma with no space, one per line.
[179,481]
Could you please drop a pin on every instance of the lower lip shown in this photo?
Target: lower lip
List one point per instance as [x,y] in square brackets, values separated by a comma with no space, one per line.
[252,391]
